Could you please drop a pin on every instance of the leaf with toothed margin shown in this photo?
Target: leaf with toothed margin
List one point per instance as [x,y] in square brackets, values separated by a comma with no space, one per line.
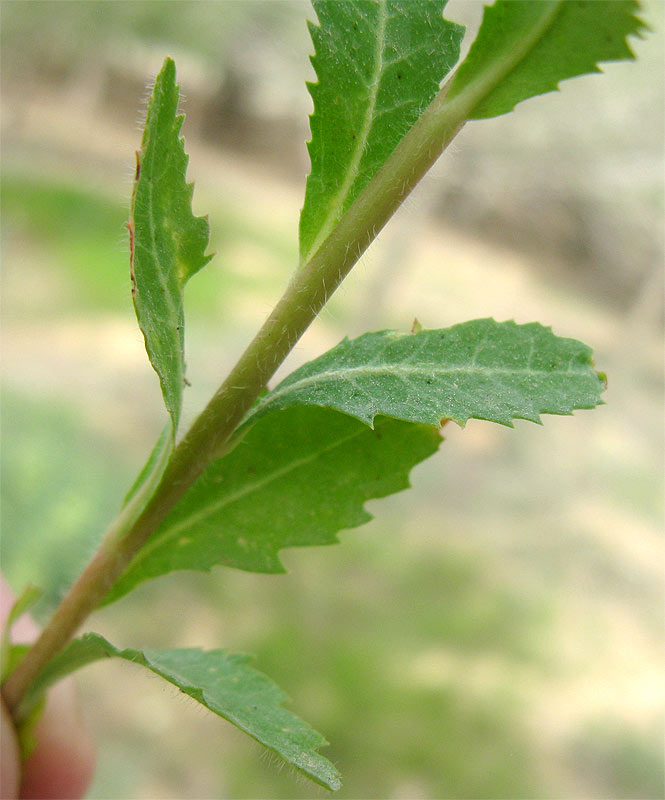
[167,242]
[378,63]
[297,478]
[223,682]
[526,47]
[497,371]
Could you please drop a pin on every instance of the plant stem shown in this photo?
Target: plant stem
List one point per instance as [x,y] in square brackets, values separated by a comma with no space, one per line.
[310,288]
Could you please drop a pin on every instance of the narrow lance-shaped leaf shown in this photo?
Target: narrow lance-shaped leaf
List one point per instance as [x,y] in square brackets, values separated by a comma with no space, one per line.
[223,682]
[167,242]
[497,371]
[297,478]
[379,63]
[526,47]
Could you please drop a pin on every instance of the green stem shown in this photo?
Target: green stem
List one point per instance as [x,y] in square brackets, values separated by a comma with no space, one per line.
[310,288]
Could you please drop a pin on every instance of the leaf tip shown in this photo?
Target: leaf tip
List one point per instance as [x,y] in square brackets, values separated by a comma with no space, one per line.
[168,67]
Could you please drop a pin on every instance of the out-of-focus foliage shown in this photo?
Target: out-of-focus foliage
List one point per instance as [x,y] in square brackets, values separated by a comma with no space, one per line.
[67,32]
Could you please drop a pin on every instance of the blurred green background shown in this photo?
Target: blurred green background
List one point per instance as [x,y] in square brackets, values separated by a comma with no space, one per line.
[495,632]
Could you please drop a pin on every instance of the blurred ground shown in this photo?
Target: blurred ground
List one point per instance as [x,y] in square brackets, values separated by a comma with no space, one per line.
[497,631]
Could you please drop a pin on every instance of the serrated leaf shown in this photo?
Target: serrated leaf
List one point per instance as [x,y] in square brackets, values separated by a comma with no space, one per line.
[223,682]
[379,63]
[297,478]
[526,47]
[497,371]
[167,242]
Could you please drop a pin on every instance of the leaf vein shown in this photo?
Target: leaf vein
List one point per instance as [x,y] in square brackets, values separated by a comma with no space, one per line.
[336,203]
[213,508]
[349,373]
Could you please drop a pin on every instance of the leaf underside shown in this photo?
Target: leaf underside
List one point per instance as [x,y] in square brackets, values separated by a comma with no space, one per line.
[497,371]
[530,46]
[297,478]
[303,471]
[223,682]
[167,242]
[378,63]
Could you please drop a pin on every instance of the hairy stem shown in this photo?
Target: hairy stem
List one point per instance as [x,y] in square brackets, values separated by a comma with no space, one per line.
[311,286]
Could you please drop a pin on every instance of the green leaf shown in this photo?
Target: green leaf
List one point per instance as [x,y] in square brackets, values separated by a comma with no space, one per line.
[497,371]
[167,242]
[26,729]
[379,64]
[222,682]
[297,478]
[10,655]
[526,47]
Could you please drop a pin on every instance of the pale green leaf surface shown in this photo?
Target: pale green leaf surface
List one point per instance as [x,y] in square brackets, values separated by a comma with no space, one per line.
[167,241]
[526,47]
[223,682]
[378,63]
[497,371]
[297,478]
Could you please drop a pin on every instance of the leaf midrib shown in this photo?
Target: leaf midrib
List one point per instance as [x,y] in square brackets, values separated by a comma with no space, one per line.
[401,369]
[153,252]
[336,204]
[482,86]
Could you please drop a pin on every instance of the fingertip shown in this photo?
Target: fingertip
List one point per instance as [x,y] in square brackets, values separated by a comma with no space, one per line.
[10,761]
